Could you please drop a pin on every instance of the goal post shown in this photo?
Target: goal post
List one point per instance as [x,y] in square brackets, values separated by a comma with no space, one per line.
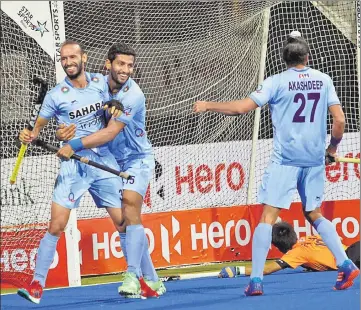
[186,51]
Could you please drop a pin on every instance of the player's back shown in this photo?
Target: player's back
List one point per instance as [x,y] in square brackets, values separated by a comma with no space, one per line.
[315,253]
[299,101]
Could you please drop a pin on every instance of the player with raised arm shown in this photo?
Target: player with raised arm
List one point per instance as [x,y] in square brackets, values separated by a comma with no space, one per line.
[77,100]
[134,154]
[299,99]
[309,252]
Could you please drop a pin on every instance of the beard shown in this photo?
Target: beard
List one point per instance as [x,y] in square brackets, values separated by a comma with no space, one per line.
[79,69]
[115,78]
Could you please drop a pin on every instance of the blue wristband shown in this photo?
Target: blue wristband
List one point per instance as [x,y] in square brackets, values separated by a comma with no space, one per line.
[335,142]
[76,145]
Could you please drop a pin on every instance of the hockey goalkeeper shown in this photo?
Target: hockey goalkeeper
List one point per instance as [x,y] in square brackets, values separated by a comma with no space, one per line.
[310,253]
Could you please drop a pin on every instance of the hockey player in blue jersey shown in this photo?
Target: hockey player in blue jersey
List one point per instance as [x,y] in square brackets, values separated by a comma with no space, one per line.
[299,99]
[77,100]
[134,154]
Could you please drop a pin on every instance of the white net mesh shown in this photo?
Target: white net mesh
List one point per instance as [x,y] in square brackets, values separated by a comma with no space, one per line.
[187,50]
[24,206]
[330,29]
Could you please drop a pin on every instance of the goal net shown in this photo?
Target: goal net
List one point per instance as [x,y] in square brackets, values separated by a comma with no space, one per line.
[187,51]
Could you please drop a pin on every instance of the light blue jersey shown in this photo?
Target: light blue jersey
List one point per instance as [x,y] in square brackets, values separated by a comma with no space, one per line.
[299,102]
[131,146]
[80,106]
[132,142]
[84,108]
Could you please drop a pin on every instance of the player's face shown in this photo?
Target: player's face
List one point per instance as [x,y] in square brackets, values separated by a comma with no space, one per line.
[72,60]
[122,68]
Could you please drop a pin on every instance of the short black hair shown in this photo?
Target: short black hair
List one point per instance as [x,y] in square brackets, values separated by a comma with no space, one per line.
[73,42]
[120,49]
[284,236]
[295,51]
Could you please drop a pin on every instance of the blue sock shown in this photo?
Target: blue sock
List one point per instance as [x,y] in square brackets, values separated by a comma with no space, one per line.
[123,245]
[146,264]
[135,247]
[330,237]
[45,256]
[261,243]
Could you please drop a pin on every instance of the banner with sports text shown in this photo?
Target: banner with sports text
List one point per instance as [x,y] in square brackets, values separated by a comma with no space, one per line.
[202,235]
[176,238]
[18,262]
[34,18]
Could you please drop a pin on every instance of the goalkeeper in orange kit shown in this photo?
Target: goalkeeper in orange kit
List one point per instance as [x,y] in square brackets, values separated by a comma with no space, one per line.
[309,252]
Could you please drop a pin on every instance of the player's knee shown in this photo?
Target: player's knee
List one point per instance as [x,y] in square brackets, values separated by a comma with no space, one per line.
[312,216]
[56,228]
[120,227]
[132,214]
[269,215]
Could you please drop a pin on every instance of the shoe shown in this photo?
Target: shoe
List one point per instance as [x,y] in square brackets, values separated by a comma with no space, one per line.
[346,274]
[157,286]
[254,288]
[130,287]
[33,293]
[146,291]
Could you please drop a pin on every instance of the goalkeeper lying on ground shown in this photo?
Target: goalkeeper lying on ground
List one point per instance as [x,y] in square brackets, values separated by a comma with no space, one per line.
[309,252]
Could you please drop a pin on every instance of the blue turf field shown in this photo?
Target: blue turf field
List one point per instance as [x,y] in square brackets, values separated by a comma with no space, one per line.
[283,291]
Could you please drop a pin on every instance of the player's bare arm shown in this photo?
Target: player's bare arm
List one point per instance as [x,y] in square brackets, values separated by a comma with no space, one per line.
[234,107]
[338,127]
[101,137]
[26,136]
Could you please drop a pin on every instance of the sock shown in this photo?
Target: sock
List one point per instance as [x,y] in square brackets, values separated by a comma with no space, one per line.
[146,264]
[44,257]
[261,243]
[135,247]
[330,237]
[123,245]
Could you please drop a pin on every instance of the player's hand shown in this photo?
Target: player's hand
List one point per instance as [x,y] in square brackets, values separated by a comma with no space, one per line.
[65,133]
[200,106]
[65,152]
[330,156]
[228,272]
[115,107]
[26,136]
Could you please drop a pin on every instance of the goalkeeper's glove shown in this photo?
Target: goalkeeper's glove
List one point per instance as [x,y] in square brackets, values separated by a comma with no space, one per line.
[232,272]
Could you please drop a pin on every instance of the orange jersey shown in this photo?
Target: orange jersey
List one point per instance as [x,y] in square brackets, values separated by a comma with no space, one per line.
[311,252]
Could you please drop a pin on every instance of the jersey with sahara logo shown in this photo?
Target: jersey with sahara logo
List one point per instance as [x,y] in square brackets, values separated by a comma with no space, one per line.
[79,106]
[299,102]
[132,142]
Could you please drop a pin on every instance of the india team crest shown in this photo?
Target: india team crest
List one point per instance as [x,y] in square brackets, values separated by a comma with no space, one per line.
[65,89]
[126,88]
[95,79]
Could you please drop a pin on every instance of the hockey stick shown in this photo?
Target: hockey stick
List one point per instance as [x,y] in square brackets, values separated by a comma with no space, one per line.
[84,160]
[188,276]
[347,160]
[34,115]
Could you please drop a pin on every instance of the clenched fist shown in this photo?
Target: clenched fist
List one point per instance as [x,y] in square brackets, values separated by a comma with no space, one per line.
[26,136]
[65,152]
[200,106]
